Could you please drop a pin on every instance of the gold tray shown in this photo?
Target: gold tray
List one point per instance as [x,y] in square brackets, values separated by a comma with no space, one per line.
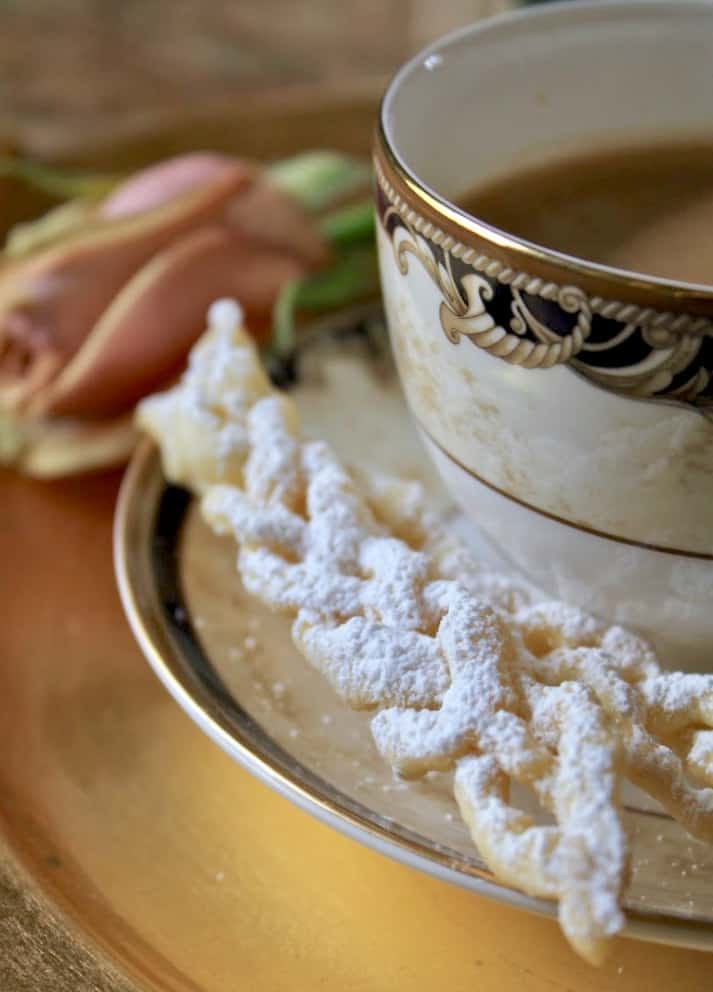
[134,855]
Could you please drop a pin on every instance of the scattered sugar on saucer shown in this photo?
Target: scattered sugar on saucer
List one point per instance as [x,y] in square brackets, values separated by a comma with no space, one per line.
[394,787]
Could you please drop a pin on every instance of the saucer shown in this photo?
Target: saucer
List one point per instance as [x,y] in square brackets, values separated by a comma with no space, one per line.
[231,665]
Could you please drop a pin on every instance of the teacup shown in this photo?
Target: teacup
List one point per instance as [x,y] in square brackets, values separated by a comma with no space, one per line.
[594,479]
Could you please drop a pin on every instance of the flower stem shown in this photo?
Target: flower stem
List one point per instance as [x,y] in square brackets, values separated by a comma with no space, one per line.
[352,277]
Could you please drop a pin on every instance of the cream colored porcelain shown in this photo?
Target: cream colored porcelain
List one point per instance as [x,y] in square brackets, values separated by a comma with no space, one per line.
[568,406]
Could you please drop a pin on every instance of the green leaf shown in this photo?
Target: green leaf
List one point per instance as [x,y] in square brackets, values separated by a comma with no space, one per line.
[351,277]
[350,225]
[319,178]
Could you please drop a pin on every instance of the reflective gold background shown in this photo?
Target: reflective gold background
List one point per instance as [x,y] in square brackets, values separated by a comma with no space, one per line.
[141,857]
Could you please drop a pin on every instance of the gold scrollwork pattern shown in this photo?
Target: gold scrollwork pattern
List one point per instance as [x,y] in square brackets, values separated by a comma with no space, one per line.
[537,324]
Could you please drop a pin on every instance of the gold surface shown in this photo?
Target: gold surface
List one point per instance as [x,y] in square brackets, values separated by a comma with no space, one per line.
[135,855]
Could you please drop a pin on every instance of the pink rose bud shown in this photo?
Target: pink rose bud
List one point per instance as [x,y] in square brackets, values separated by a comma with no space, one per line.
[92,319]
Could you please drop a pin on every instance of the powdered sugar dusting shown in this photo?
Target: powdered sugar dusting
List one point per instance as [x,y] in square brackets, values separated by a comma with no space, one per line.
[466,670]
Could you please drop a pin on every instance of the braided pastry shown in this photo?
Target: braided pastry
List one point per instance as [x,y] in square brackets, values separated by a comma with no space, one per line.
[464,670]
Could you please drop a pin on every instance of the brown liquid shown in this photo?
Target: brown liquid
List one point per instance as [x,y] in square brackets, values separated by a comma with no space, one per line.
[647,209]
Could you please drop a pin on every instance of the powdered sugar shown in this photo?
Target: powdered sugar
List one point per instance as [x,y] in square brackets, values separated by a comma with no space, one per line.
[368,663]
[466,669]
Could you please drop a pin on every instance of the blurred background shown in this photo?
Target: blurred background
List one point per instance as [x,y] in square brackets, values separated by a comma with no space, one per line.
[70,67]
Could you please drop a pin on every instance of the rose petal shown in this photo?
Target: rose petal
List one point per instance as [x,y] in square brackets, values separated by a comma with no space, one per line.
[146,332]
[266,215]
[162,182]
